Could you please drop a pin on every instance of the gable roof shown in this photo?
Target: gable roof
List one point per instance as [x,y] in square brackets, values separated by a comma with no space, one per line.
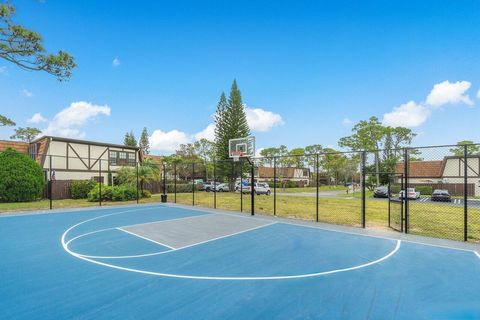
[422,169]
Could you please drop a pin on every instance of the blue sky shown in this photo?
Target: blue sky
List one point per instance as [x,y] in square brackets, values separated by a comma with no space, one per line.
[306,69]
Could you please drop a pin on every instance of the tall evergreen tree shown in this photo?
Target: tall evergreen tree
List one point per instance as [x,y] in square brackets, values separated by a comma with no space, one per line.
[144,143]
[130,139]
[230,121]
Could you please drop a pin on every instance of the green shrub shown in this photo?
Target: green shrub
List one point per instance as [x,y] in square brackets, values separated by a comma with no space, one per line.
[79,189]
[395,189]
[21,178]
[146,194]
[424,190]
[113,193]
[181,188]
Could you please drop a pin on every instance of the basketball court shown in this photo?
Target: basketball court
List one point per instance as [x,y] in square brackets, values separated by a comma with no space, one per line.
[174,262]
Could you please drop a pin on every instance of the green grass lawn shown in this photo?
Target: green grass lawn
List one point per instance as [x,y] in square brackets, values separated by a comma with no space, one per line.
[310,189]
[429,219]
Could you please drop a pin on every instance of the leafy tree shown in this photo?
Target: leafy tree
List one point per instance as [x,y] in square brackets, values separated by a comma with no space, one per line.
[27,134]
[230,121]
[130,139]
[144,143]
[472,149]
[21,178]
[297,158]
[372,135]
[268,154]
[24,48]
[205,149]
[313,149]
[366,136]
[333,162]
[4,121]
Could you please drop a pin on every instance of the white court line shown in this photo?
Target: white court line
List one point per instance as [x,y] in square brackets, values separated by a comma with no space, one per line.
[170,275]
[160,221]
[337,231]
[172,248]
[477,254]
[145,238]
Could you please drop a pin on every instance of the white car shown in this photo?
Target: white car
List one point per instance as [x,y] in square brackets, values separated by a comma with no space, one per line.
[411,194]
[222,187]
[259,188]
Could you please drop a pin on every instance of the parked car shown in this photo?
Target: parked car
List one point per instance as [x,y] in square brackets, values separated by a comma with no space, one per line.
[381,192]
[259,188]
[222,187]
[208,186]
[441,195]
[411,194]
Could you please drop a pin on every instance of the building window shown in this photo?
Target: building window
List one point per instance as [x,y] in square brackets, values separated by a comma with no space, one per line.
[131,159]
[122,158]
[112,158]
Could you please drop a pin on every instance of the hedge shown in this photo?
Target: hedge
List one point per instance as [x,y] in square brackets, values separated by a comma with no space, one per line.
[21,178]
[112,193]
[79,189]
[424,190]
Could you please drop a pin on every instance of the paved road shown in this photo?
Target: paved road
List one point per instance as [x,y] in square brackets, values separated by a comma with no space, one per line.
[475,203]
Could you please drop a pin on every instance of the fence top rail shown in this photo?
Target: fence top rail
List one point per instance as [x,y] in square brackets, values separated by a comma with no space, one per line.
[201,161]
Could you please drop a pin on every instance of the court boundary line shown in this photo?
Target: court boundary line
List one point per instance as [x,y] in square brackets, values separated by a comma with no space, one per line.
[172,248]
[145,238]
[181,276]
[477,254]
[268,218]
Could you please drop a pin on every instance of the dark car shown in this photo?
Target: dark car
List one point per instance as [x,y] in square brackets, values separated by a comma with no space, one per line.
[441,195]
[380,192]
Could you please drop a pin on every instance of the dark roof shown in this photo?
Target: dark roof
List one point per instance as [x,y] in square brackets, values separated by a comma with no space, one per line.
[94,143]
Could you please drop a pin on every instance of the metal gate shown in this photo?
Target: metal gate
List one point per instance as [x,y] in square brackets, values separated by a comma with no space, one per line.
[396,211]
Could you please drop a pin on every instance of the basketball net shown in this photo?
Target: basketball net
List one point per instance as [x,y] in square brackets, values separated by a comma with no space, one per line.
[236,155]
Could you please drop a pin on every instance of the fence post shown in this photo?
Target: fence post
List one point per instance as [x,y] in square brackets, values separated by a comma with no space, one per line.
[164,179]
[50,187]
[193,183]
[252,189]
[100,181]
[405,195]
[465,193]
[214,184]
[317,162]
[364,160]
[136,173]
[175,182]
[274,186]
[241,187]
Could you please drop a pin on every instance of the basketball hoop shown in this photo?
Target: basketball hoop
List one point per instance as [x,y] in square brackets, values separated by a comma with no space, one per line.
[236,155]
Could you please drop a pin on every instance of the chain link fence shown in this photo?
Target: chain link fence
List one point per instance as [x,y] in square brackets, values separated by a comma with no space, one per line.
[430,191]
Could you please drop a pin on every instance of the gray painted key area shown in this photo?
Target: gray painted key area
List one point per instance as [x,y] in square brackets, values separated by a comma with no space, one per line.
[189,231]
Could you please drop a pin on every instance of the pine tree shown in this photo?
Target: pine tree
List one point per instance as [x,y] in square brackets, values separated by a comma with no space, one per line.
[130,140]
[230,121]
[144,143]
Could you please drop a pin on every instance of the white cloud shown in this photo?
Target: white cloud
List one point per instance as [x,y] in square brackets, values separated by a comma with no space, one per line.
[478,94]
[3,70]
[26,93]
[447,92]
[408,115]
[116,62]
[347,122]
[262,120]
[69,121]
[207,133]
[169,141]
[37,118]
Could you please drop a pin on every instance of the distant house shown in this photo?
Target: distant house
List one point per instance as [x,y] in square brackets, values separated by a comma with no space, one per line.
[299,175]
[447,174]
[72,159]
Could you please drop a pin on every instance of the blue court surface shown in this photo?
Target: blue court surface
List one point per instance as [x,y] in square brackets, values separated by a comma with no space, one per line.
[168,262]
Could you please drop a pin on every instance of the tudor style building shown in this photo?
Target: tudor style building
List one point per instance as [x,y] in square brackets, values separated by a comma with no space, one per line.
[72,159]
